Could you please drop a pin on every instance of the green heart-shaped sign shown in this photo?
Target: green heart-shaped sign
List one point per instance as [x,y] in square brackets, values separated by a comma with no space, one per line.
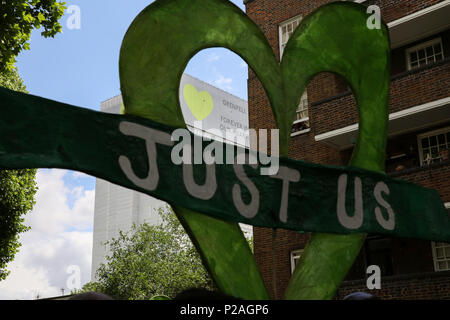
[335,38]
[200,103]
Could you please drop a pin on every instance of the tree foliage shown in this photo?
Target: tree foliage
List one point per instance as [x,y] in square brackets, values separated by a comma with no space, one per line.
[17,190]
[10,79]
[18,187]
[18,18]
[151,260]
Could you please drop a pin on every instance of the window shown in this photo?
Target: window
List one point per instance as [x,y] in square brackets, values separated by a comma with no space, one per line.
[301,123]
[378,252]
[295,258]
[441,251]
[434,146]
[287,28]
[441,255]
[425,53]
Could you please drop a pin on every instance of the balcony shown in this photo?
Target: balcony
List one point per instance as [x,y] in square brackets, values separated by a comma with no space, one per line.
[428,285]
[419,24]
[425,175]
[434,176]
[419,98]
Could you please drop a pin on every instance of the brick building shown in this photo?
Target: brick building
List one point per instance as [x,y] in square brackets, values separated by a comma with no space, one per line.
[325,130]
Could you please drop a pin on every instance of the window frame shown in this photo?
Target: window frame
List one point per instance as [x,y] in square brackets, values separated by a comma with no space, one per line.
[280,31]
[420,46]
[304,96]
[295,255]
[433,251]
[425,135]
[388,268]
[305,119]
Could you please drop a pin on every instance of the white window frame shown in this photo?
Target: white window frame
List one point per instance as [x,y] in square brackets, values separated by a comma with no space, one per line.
[299,19]
[304,97]
[296,133]
[433,250]
[295,255]
[303,101]
[428,134]
[422,46]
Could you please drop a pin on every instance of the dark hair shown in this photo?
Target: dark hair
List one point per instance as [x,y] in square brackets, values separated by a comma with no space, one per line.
[360,296]
[90,296]
[203,294]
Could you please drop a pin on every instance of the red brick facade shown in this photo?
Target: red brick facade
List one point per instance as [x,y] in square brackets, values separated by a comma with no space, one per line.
[419,286]
[332,106]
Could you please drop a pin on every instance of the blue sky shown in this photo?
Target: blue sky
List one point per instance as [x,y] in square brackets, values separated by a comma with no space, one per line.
[80,67]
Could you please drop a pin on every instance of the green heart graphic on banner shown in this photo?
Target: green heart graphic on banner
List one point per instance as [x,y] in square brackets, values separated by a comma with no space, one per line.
[334,38]
[200,103]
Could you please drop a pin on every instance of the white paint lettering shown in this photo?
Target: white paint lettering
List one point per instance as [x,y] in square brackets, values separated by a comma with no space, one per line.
[347,221]
[151,137]
[388,224]
[246,210]
[287,175]
[205,191]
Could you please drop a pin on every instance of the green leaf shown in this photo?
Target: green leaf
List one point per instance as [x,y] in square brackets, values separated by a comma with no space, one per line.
[40,17]
[19,18]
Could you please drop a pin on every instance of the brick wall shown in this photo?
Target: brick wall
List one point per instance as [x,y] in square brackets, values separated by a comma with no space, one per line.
[273,255]
[268,14]
[407,90]
[435,176]
[425,286]
[264,12]
[395,9]
[270,260]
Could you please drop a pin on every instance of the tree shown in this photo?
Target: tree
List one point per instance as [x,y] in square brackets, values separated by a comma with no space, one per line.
[10,79]
[18,18]
[151,260]
[17,190]
[18,187]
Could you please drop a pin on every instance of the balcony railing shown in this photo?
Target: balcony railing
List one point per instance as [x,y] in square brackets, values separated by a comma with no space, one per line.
[408,89]
[434,176]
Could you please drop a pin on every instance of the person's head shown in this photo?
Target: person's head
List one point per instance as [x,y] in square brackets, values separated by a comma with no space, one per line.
[90,296]
[360,296]
[203,294]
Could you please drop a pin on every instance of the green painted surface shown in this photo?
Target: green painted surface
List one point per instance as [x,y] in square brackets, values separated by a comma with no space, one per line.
[312,202]
[156,49]
[335,38]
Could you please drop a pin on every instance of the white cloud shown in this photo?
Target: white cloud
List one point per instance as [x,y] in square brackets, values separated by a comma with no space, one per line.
[224,83]
[31,281]
[60,236]
[78,174]
[212,57]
